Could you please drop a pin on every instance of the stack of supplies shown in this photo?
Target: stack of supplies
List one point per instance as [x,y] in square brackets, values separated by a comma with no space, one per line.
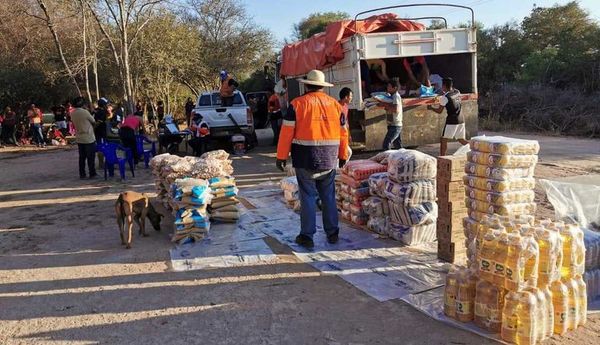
[411,192]
[190,198]
[528,278]
[223,206]
[354,189]
[452,208]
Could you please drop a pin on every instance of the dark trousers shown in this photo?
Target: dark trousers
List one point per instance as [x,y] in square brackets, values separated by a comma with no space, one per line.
[275,125]
[127,136]
[313,184]
[87,152]
[393,138]
[198,145]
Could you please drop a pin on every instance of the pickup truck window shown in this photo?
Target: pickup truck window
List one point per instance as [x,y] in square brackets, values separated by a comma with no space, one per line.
[237,99]
[204,101]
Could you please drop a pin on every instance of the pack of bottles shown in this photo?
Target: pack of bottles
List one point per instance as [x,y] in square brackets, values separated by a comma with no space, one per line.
[459,294]
[489,302]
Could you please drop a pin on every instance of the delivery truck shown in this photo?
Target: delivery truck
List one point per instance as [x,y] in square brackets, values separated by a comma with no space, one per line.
[359,53]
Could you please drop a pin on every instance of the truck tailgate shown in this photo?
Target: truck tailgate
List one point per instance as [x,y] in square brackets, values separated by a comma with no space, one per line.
[219,117]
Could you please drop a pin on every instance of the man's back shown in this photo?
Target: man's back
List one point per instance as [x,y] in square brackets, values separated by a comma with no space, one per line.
[84,124]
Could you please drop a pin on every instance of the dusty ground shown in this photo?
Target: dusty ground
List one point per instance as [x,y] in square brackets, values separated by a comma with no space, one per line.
[64,278]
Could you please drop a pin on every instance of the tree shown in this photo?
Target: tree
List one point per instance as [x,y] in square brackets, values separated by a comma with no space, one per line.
[229,39]
[317,22]
[129,17]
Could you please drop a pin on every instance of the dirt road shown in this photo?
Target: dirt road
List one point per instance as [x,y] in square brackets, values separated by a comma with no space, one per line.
[64,277]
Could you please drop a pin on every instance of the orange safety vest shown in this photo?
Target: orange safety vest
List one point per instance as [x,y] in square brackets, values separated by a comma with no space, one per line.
[226,89]
[314,131]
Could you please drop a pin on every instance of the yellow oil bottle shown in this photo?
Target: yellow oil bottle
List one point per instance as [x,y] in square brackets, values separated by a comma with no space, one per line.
[532,254]
[541,315]
[465,297]
[487,255]
[510,317]
[514,268]
[450,292]
[573,301]
[482,300]
[560,302]
[582,298]
[548,268]
[500,256]
[549,329]
[527,314]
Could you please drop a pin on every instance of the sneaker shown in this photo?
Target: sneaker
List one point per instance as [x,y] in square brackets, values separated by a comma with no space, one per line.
[333,238]
[305,241]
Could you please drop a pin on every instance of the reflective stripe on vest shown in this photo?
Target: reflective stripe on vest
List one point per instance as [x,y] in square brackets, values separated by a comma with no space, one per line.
[316,142]
[288,123]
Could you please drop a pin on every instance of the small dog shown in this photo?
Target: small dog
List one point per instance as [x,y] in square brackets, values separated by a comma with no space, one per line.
[132,206]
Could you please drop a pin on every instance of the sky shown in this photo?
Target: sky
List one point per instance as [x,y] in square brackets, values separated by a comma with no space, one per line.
[280,15]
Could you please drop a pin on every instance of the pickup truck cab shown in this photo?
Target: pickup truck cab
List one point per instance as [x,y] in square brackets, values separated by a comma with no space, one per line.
[224,122]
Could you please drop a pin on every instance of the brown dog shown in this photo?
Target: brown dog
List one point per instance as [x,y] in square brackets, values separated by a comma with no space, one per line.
[132,206]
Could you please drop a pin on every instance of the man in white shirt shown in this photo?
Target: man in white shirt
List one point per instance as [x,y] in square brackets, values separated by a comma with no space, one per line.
[393,107]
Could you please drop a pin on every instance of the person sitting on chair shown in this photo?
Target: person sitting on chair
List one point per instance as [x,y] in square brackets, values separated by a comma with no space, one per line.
[201,133]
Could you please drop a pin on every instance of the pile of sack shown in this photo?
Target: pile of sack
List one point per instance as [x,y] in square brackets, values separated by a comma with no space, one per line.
[196,189]
[402,203]
[353,189]
[190,198]
[223,206]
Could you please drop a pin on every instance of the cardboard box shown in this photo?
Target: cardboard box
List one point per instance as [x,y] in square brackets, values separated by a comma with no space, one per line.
[451,168]
[451,207]
[452,252]
[448,233]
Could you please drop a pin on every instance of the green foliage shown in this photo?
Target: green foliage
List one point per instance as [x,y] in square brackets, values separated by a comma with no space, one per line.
[317,22]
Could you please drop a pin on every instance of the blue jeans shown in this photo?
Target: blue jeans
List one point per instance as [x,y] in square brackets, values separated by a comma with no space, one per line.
[393,138]
[310,185]
[36,134]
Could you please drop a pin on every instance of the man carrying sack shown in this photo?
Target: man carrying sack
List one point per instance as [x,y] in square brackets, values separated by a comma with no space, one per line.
[314,131]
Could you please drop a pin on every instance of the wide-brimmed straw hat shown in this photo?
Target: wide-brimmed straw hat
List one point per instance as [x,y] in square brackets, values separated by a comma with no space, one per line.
[315,77]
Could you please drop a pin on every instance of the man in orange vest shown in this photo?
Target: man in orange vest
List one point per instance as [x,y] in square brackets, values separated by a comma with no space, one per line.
[314,131]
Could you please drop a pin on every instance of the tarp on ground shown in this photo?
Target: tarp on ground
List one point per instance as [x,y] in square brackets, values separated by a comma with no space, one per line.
[325,49]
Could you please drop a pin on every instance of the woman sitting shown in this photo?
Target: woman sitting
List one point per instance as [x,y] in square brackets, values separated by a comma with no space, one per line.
[127,132]
[56,137]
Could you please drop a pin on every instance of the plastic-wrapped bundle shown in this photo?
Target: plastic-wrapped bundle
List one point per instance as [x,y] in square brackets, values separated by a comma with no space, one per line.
[377,184]
[470,227]
[376,207]
[217,154]
[501,174]
[382,157]
[346,214]
[502,161]
[353,199]
[424,213]
[521,196]
[221,182]
[410,193]
[480,216]
[378,225]
[499,186]
[411,235]
[361,169]
[359,192]
[218,203]
[504,145]
[225,192]
[349,181]
[228,215]
[190,225]
[358,211]
[410,165]
[505,210]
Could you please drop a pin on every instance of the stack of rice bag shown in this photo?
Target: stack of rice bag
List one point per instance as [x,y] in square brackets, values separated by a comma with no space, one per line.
[353,189]
[190,198]
[499,179]
[410,189]
[223,206]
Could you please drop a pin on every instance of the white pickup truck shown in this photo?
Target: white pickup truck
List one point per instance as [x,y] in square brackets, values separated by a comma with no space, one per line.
[224,122]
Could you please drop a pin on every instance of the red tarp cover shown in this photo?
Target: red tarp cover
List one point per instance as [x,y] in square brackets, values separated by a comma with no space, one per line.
[325,49]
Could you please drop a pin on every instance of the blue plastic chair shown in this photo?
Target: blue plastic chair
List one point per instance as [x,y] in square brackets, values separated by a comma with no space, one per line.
[111,157]
[140,140]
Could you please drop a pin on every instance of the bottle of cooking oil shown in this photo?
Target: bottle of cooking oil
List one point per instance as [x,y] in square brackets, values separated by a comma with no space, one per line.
[482,300]
[560,302]
[527,325]
[465,297]
[510,317]
[450,292]
[500,256]
[541,314]
[532,254]
[514,267]
[579,247]
[487,255]
[549,248]
[573,300]
[582,298]
[549,328]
